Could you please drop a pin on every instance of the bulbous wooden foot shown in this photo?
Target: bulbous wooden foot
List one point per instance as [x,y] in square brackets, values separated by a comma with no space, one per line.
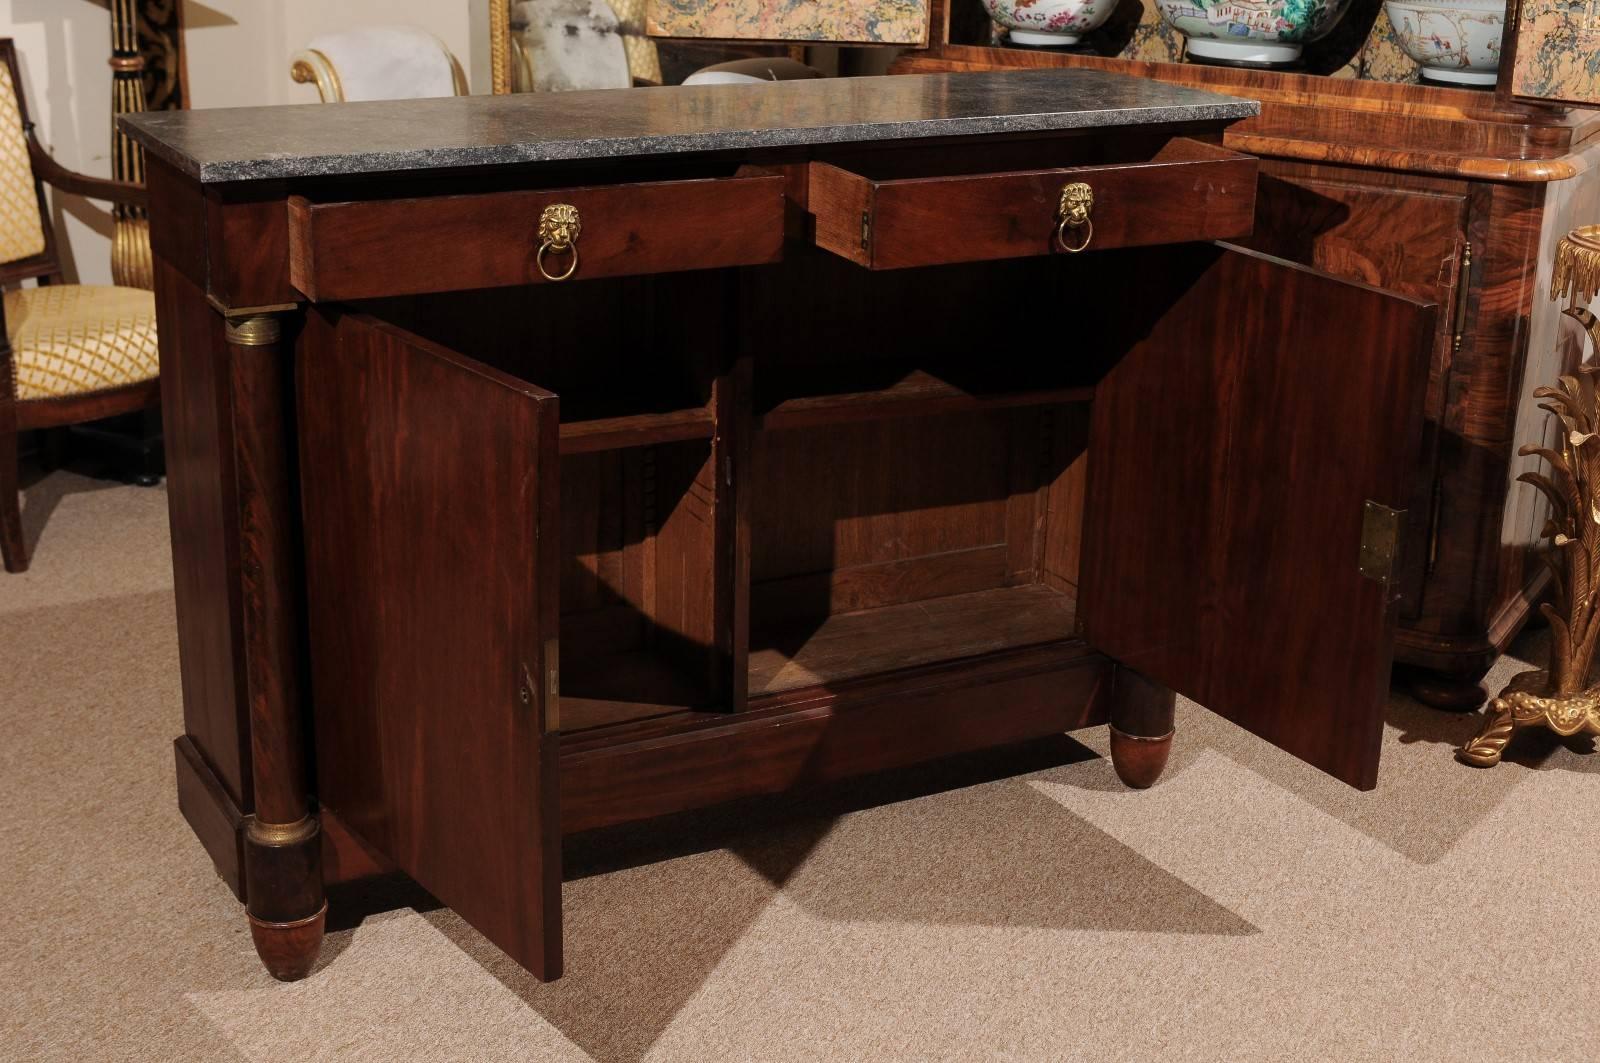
[283,870]
[1139,761]
[1141,728]
[1453,693]
[289,950]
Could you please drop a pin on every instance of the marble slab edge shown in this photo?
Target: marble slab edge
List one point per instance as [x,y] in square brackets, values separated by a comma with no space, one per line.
[162,133]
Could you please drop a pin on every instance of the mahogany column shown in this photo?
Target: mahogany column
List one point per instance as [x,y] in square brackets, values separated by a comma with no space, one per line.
[282,838]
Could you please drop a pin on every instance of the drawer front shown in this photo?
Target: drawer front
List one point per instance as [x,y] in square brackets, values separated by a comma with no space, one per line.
[372,248]
[1188,191]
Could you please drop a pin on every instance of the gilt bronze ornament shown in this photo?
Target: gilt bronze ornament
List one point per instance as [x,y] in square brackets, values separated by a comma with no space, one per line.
[1559,697]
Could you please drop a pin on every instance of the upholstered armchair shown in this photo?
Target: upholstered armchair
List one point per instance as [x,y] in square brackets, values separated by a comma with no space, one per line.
[644,60]
[379,63]
[70,352]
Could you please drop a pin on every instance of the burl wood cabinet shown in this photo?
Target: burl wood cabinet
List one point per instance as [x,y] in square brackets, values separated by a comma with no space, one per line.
[544,463]
[1450,195]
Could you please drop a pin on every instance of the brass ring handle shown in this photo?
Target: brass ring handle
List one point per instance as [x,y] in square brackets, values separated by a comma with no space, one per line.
[559,228]
[1077,202]
[1061,236]
[572,267]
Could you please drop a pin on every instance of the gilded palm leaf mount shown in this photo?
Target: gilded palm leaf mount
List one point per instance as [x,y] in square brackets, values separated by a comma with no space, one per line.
[1560,697]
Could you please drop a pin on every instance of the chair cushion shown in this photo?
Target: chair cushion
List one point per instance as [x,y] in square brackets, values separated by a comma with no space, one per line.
[71,339]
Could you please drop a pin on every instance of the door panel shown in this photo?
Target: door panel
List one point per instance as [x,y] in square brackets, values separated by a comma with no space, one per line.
[431,509]
[1259,406]
[1406,234]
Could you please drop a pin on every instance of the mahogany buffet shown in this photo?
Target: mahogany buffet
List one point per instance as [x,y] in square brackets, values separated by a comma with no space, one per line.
[543,463]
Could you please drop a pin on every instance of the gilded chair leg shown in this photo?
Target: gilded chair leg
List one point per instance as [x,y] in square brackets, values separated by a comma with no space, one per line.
[12,546]
[1141,728]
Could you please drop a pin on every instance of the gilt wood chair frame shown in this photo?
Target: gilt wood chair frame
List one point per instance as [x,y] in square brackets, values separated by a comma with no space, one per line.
[17,415]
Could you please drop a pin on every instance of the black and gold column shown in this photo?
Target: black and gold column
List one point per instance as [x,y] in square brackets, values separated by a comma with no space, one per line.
[130,241]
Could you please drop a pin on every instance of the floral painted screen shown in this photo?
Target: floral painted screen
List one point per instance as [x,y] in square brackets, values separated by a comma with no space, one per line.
[903,22]
[1558,51]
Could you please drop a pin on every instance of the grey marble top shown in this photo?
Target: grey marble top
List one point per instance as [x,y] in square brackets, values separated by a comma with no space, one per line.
[313,140]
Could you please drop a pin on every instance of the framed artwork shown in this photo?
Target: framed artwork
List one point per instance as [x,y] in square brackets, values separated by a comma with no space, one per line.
[520,62]
[1551,53]
[897,22]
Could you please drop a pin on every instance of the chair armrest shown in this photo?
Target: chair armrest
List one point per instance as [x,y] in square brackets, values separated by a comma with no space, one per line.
[53,173]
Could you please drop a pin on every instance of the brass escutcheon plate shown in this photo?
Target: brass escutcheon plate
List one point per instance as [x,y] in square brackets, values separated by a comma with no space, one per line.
[1077,203]
[559,226]
[559,229]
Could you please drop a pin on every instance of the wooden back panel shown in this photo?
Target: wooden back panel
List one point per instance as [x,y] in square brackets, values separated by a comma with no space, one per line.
[855,510]
[432,574]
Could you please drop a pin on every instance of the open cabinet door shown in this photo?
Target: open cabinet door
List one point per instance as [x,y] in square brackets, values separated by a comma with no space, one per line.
[431,524]
[1242,456]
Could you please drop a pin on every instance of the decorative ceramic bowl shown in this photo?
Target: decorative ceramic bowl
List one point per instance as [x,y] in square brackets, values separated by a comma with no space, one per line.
[1251,31]
[1454,41]
[1049,23]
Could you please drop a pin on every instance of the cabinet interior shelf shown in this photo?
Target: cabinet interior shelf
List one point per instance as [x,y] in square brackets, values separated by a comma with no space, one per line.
[635,430]
[828,651]
[888,638]
[627,687]
[908,393]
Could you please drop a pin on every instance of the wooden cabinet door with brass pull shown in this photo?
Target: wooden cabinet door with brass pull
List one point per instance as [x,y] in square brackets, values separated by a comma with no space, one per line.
[432,594]
[1263,411]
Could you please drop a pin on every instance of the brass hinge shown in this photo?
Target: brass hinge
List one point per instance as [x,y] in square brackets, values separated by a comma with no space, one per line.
[1380,540]
[1433,526]
[1463,279]
[552,692]
[552,698]
[866,230]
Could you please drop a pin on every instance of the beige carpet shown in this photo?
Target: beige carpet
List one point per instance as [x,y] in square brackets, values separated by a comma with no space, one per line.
[1247,908]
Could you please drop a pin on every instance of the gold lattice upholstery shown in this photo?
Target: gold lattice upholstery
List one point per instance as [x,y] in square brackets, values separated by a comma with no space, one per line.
[68,339]
[21,228]
[644,61]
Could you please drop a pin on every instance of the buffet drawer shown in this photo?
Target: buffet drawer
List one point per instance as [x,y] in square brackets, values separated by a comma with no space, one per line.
[1183,190]
[383,247]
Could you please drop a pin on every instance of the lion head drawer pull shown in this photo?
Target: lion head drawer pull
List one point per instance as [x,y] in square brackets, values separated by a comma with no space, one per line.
[559,227]
[1077,202]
